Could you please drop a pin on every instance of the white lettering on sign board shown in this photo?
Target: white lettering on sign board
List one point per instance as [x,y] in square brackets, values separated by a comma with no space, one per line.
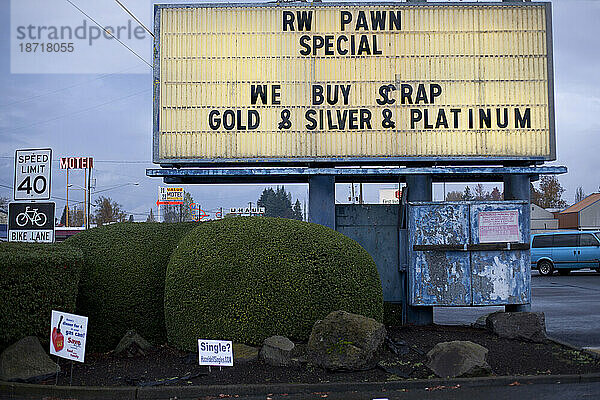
[67,335]
[215,353]
[33,170]
[499,226]
[247,210]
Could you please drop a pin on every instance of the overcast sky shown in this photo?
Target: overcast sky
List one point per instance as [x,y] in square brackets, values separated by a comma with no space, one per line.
[102,106]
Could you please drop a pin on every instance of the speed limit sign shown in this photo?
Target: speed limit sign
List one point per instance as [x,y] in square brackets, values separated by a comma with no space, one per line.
[33,169]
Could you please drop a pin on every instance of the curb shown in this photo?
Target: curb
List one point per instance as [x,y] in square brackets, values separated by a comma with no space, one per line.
[573,347]
[182,392]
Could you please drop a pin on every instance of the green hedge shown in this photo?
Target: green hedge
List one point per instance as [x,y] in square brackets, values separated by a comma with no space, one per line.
[34,280]
[122,282]
[245,279]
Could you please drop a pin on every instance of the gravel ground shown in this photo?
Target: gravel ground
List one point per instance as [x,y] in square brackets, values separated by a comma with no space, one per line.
[165,365]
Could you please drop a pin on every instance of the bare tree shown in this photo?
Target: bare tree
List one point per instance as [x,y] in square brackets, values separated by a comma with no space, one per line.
[455,195]
[551,192]
[107,211]
[150,217]
[76,217]
[481,193]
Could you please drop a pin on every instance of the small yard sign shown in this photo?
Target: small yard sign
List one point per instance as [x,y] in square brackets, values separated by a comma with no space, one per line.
[215,353]
[67,335]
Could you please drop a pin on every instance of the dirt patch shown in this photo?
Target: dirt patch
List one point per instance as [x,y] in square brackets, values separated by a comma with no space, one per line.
[403,358]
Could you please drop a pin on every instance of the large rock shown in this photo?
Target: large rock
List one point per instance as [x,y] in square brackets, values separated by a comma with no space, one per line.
[529,326]
[26,361]
[345,341]
[458,359]
[132,345]
[277,351]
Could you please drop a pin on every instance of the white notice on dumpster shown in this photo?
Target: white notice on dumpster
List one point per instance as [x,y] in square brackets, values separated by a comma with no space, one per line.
[499,226]
[215,353]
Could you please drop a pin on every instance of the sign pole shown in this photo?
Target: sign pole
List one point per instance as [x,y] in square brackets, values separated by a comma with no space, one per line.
[57,370]
[89,196]
[85,220]
[67,220]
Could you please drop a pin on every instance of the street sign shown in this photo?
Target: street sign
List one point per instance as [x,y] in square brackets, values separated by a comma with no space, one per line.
[247,211]
[389,196]
[33,170]
[170,194]
[31,222]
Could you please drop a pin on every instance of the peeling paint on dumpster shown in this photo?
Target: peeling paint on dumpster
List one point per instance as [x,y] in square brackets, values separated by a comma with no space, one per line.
[448,272]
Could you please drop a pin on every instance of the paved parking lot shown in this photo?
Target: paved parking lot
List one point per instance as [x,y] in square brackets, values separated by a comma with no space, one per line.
[571,304]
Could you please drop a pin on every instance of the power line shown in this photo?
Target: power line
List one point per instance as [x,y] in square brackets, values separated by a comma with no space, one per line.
[64,88]
[77,112]
[96,161]
[134,17]
[110,33]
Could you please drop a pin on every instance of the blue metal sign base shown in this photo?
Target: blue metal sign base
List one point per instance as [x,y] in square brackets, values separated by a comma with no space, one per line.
[322,181]
[348,175]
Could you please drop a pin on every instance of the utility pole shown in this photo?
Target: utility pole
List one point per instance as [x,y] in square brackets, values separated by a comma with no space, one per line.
[67,220]
[360,198]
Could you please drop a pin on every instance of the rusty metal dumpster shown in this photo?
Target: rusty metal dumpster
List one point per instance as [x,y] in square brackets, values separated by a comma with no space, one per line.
[468,253]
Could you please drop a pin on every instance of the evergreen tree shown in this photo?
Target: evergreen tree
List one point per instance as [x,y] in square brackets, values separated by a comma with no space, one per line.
[131,218]
[496,195]
[278,203]
[297,211]
[63,217]
[579,194]
[467,195]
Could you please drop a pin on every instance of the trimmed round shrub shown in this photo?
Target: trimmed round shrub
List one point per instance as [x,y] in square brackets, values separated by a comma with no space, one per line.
[34,280]
[245,279]
[123,279]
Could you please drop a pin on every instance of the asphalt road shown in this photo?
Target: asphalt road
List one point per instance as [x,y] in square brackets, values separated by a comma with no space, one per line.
[571,305]
[523,391]
[519,390]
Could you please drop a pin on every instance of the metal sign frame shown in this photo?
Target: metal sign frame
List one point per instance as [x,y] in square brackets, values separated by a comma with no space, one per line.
[30,219]
[33,185]
[351,160]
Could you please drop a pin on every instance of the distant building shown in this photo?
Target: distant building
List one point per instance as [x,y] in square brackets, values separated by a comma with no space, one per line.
[584,215]
[542,220]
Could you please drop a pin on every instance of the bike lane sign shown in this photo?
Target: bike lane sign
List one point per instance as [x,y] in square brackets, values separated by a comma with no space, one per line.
[33,169]
[31,222]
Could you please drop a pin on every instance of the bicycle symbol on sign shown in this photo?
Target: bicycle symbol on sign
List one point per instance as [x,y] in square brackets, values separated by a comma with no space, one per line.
[32,216]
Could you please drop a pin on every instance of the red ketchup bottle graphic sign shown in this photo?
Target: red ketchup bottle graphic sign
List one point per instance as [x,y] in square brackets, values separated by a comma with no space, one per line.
[58,340]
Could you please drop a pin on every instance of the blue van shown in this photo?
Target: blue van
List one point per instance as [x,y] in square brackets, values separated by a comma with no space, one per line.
[565,251]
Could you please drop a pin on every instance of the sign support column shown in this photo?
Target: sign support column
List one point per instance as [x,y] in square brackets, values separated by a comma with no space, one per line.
[321,200]
[516,187]
[419,189]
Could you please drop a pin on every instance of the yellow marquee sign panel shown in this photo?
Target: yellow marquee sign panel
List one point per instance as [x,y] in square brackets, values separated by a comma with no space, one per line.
[351,82]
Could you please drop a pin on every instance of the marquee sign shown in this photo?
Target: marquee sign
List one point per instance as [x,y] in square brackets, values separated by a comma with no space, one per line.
[352,83]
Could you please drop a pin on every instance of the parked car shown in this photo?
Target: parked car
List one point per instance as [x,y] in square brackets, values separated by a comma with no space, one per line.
[565,251]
